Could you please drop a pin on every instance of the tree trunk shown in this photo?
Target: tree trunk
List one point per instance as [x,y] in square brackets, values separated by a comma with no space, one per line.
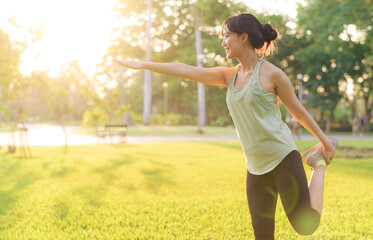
[368,107]
[367,115]
[367,119]
[353,107]
[175,104]
[330,121]
[64,131]
[12,143]
[332,116]
[201,87]
[328,124]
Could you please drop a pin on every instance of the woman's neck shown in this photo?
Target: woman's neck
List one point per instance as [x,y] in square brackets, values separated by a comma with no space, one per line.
[248,60]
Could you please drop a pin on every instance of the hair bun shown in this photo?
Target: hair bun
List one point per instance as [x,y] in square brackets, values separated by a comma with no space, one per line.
[269,33]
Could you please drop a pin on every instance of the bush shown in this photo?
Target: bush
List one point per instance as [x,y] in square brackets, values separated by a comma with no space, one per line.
[341,127]
[222,121]
[181,119]
[157,119]
[136,117]
[95,117]
[170,118]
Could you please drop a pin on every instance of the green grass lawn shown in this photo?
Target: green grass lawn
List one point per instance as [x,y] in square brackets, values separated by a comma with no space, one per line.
[175,190]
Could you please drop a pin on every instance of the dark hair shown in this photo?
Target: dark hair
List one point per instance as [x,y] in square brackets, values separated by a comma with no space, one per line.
[258,33]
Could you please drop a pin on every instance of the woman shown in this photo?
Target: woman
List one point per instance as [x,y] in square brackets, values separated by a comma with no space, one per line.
[274,165]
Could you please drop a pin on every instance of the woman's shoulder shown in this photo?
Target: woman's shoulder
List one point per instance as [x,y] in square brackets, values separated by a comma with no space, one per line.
[271,70]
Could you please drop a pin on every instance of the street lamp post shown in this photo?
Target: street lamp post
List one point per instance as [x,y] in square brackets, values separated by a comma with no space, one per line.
[122,93]
[200,86]
[148,76]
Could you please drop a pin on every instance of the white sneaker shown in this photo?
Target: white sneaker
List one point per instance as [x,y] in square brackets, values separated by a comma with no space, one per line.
[314,154]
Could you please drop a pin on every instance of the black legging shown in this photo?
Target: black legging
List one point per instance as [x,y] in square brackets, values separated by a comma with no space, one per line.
[288,179]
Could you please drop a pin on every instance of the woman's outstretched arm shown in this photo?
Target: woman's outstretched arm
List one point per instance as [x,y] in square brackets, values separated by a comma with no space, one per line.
[217,76]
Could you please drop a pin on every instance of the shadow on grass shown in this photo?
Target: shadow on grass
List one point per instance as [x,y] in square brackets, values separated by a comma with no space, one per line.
[121,162]
[91,194]
[113,164]
[8,166]
[63,171]
[61,210]
[110,171]
[13,181]
[155,178]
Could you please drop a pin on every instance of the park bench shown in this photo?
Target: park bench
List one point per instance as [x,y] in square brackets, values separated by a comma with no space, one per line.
[113,129]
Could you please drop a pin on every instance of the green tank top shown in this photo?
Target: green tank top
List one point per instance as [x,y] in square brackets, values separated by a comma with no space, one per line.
[264,137]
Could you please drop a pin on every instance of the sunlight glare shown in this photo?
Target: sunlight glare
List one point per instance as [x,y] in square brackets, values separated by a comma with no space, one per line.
[74,29]
[82,29]
[350,87]
[287,7]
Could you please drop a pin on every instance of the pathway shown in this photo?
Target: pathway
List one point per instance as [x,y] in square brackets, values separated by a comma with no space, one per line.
[49,135]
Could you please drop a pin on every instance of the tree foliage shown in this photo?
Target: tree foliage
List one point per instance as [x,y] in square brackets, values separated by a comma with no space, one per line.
[331,56]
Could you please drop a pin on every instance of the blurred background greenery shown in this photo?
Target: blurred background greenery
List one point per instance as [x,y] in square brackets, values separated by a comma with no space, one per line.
[328,48]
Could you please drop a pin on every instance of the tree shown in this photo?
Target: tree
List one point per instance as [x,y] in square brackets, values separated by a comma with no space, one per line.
[95,117]
[9,73]
[359,13]
[328,59]
[68,95]
[10,108]
[79,86]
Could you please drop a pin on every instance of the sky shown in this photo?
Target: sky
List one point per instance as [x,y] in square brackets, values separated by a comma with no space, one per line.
[288,7]
[80,29]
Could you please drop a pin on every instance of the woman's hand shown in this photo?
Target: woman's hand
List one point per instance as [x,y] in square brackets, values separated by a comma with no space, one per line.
[329,152]
[129,64]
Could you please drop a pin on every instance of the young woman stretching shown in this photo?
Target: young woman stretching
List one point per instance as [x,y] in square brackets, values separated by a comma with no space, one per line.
[274,165]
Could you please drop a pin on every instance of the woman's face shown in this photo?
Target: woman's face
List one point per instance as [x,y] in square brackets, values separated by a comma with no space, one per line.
[231,43]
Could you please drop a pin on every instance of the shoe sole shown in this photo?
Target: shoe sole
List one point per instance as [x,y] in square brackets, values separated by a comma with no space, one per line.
[314,154]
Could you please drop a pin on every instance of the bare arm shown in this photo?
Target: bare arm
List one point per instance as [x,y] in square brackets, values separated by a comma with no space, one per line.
[286,93]
[210,76]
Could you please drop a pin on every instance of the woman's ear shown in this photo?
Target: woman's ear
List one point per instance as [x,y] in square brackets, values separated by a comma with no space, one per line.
[245,37]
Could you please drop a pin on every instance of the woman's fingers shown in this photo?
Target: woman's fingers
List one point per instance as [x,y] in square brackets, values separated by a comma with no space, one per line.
[327,160]
[120,62]
[328,154]
[129,64]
